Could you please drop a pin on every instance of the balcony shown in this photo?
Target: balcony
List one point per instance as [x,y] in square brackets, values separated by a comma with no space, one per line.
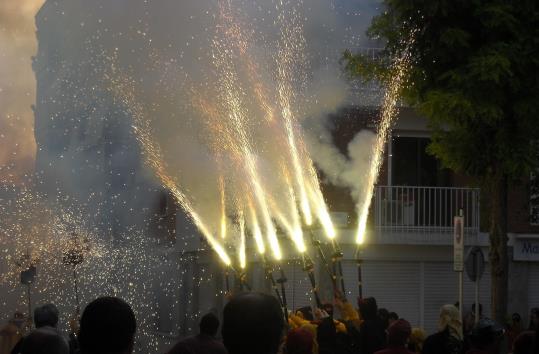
[424,215]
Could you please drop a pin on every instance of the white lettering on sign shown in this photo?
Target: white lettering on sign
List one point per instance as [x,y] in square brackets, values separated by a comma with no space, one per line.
[526,249]
[529,247]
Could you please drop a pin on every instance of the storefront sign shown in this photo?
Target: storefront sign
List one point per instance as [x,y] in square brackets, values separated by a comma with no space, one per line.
[526,249]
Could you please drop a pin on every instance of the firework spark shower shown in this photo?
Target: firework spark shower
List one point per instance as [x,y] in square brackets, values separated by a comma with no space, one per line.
[211,101]
[245,128]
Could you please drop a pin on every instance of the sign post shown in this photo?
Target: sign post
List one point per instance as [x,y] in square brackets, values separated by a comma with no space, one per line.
[475,266]
[477,308]
[458,255]
[27,278]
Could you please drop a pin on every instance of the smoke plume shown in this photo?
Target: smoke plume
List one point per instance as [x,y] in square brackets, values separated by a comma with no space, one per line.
[186,64]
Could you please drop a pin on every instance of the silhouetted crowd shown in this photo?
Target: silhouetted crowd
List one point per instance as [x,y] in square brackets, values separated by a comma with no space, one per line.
[254,323]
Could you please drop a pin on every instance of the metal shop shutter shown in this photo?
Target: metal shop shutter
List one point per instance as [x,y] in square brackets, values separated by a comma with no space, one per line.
[298,288]
[256,278]
[441,287]
[350,274]
[533,285]
[396,287]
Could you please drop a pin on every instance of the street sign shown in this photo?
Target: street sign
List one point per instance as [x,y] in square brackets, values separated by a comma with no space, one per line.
[458,244]
[28,275]
[475,263]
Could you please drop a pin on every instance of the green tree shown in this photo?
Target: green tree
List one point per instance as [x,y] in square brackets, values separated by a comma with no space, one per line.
[474,76]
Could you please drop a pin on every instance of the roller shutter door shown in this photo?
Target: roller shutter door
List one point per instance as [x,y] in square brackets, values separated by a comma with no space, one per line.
[396,287]
[298,287]
[351,280]
[441,287]
[533,285]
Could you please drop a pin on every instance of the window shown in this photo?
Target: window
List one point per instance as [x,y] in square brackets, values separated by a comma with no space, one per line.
[413,166]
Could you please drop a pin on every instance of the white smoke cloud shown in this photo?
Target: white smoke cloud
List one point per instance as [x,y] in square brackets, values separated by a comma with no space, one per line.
[165,47]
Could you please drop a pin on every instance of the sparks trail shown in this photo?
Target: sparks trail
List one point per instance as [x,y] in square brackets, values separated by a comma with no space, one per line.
[122,90]
[231,93]
[230,128]
[388,115]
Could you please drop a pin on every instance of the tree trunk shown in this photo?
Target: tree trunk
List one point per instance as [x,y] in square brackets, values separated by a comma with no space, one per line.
[499,263]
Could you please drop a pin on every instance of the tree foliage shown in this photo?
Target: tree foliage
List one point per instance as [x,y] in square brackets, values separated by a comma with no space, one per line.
[474,76]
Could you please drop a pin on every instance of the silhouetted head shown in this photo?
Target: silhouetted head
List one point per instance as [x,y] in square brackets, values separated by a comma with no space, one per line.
[486,334]
[450,320]
[524,343]
[107,325]
[328,308]
[299,341]
[327,333]
[46,315]
[306,312]
[398,333]
[44,340]
[383,315]
[252,324]
[534,318]
[209,324]
[18,319]
[417,338]
[392,317]
[368,308]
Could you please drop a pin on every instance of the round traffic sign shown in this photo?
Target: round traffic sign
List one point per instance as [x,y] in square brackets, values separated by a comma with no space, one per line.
[475,263]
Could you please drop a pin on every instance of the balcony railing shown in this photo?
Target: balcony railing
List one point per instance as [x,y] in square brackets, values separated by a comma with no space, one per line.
[420,213]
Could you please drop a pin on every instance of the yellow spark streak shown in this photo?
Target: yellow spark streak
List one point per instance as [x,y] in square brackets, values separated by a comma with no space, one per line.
[223,206]
[221,137]
[231,93]
[292,43]
[297,231]
[298,173]
[152,157]
[255,228]
[261,199]
[321,209]
[389,108]
[291,53]
[242,256]
[237,34]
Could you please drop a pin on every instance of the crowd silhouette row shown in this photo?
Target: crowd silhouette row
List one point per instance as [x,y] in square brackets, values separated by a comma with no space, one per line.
[253,323]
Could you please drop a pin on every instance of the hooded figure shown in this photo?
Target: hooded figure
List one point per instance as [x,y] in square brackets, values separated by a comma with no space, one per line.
[372,334]
[448,339]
